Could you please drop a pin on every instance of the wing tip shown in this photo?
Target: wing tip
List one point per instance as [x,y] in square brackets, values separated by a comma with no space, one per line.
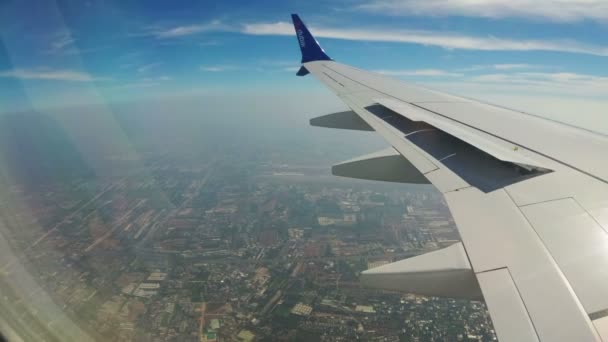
[310,48]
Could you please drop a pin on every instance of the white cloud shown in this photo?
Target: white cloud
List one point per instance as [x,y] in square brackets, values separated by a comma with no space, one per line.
[278,28]
[433,38]
[447,40]
[62,44]
[277,65]
[217,68]
[72,50]
[181,31]
[61,41]
[135,85]
[147,67]
[187,30]
[291,69]
[529,83]
[548,10]
[49,74]
[505,66]
[509,79]
[156,79]
[420,72]
[540,78]
[512,66]
[144,82]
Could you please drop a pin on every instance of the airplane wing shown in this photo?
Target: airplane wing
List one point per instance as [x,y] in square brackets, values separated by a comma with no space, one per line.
[529,197]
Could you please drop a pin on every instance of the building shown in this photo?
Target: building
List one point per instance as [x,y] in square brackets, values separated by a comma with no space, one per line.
[246,335]
[214,324]
[365,309]
[301,309]
[157,276]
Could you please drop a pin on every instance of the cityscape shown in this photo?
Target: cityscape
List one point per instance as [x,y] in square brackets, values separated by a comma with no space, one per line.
[224,243]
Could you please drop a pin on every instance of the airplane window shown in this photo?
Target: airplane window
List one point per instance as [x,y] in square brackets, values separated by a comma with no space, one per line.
[160,179]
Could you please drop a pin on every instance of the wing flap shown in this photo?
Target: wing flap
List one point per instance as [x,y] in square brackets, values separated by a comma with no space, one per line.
[493,146]
[341,120]
[392,136]
[567,145]
[456,148]
[387,165]
[445,273]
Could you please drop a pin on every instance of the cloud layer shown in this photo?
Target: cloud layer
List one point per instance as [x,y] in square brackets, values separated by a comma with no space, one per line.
[446,40]
[49,74]
[507,81]
[217,68]
[548,10]
[433,38]
[188,30]
[420,72]
[555,83]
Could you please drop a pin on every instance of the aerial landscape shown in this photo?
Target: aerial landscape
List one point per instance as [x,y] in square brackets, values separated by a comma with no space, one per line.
[160,179]
[243,241]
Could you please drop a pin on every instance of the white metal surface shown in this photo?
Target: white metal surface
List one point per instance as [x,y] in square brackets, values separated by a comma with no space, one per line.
[601,324]
[579,246]
[490,144]
[591,194]
[445,273]
[511,320]
[495,233]
[570,146]
[554,140]
[445,180]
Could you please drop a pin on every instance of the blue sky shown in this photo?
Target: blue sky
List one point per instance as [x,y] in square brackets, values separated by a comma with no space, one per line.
[62,53]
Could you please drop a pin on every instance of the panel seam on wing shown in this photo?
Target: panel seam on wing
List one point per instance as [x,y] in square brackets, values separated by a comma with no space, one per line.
[553,260]
[591,216]
[540,202]
[492,269]
[523,301]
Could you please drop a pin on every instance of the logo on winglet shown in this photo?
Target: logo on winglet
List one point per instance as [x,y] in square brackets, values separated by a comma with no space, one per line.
[301,38]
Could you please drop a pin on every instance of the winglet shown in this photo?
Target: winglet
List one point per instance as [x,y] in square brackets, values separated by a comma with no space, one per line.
[311,50]
[303,71]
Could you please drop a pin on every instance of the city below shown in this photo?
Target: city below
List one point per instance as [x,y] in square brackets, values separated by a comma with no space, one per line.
[246,244]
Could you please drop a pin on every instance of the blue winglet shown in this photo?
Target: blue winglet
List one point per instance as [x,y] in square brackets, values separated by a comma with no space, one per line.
[311,50]
[303,71]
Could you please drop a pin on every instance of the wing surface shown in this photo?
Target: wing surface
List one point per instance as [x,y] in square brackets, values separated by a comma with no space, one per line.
[529,197]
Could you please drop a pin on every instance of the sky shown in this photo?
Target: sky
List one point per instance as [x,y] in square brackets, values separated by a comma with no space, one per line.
[548,56]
